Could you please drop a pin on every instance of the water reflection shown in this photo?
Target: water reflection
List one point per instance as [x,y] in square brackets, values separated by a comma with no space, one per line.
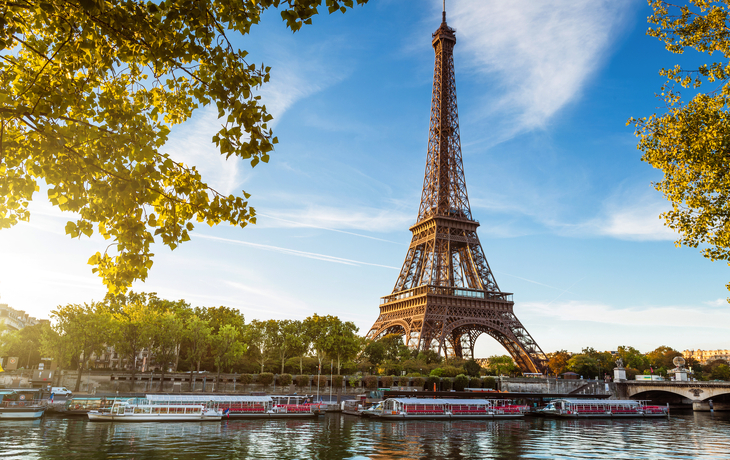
[684,436]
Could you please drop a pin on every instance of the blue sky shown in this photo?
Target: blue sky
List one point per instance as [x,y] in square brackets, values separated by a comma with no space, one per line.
[569,219]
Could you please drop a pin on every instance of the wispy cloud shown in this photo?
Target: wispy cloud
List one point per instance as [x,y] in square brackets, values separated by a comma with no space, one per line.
[296,74]
[717,303]
[655,316]
[295,252]
[629,214]
[538,54]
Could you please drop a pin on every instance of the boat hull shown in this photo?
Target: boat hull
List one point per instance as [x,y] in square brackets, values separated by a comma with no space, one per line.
[271,415]
[21,413]
[447,416]
[605,415]
[97,417]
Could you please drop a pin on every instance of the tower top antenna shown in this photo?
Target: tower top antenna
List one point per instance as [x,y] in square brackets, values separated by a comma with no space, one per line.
[443,15]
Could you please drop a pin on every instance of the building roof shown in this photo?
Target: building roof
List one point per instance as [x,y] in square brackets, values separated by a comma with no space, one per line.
[207,398]
[441,402]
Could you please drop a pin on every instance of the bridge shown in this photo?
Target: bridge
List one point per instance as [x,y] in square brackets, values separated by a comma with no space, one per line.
[698,394]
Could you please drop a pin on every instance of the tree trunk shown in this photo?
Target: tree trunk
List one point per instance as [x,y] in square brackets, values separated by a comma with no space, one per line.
[190,387]
[177,356]
[134,370]
[283,359]
[162,379]
[301,366]
[217,380]
[78,377]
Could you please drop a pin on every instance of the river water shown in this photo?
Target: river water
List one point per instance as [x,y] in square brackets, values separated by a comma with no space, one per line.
[682,436]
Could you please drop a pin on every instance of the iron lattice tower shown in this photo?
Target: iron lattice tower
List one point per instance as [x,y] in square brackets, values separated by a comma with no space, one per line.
[446,295]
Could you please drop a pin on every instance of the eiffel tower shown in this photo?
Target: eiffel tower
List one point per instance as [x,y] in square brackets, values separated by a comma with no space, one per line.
[446,295]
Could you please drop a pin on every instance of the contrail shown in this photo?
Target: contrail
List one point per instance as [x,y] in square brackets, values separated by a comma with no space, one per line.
[561,294]
[294,252]
[531,281]
[327,228]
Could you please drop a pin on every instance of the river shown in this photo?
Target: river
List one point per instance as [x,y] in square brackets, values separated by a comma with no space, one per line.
[682,436]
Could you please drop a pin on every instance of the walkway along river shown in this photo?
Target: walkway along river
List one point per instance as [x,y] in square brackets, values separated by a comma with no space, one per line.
[683,436]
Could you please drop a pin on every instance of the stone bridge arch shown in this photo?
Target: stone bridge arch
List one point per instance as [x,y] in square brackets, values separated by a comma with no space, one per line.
[696,393]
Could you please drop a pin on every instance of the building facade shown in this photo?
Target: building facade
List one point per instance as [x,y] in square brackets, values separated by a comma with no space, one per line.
[705,356]
[14,320]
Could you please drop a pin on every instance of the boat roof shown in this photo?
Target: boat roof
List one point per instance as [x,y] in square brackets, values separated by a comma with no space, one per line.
[7,392]
[436,402]
[207,398]
[602,402]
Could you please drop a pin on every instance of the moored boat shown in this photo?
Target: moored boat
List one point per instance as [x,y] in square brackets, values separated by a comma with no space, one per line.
[593,408]
[82,406]
[144,410]
[440,409]
[21,410]
[247,406]
[18,405]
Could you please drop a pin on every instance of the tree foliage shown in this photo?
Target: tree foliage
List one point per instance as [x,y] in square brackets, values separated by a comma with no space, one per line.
[89,90]
[689,140]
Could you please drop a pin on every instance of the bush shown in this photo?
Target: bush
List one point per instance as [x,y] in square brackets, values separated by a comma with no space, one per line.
[446,384]
[322,381]
[285,379]
[386,382]
[302,381]
[354,381]
[371,382]
[266,378]
[447,371]
[489,382]
[337,381]
[431,381]
[461,381]
[403,381]
[475,382]
[245,379]
[419,382]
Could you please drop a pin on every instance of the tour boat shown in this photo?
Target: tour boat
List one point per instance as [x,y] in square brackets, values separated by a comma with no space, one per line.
[252,407]
[21,410]
[444,409]
[146,410]
[590,408]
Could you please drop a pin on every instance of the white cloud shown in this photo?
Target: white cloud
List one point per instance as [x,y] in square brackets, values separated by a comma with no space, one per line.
[540,54]
[656,316]
[717,303]
[629,215]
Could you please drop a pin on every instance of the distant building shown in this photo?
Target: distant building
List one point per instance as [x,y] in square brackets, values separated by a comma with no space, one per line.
[704,356]
[14,320]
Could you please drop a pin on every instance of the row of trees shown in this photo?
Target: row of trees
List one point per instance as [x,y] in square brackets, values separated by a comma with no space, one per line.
[174,335]
[590,363]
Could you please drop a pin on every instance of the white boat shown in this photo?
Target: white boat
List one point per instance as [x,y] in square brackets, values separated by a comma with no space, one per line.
[249,407]
[443,409]
[594,408]
[21,410]
[145,410]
